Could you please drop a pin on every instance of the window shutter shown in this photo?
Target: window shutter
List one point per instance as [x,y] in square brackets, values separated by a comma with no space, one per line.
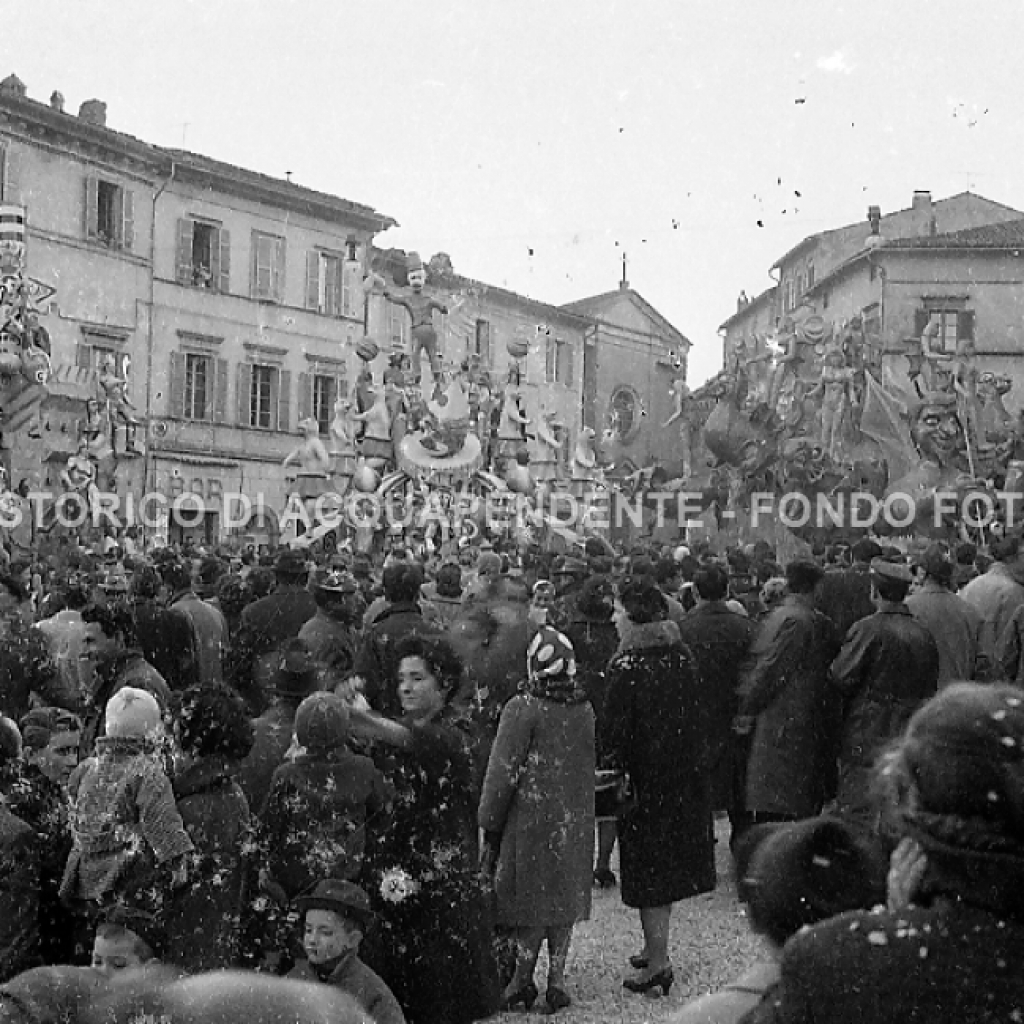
[339,288]
[220,390]
[254,263]
[569,367]
[332,396]
[84,356]
[921,318]
[313,280]
[12,175]
[92,206]
[243,396]
[284,400]
[176,401]
[223,278]
[183,257]
[279,276]
[127,219]
[305,396]
[340,388]
[965,325]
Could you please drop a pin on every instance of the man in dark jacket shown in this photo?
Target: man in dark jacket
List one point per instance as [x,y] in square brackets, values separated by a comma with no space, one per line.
[721,641]
[844,595]
[266,624]
[294,679]
[786,693]
[375,661]
[887,668]
[200,626]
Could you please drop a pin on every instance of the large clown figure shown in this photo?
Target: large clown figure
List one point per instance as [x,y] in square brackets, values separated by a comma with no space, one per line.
[421,308]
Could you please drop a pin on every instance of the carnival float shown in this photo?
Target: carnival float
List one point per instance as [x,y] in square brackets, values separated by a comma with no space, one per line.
[440,452]
[922,447]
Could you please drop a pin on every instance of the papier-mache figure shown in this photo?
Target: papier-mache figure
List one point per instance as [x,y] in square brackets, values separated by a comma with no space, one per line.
[113,389]
[376,446]
[421,309]
[681,414]
[312,459]
[511,440]
[79,476]
[545,448]
[835,390]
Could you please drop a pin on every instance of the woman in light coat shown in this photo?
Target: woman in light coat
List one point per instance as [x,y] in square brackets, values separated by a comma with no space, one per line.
[537,813]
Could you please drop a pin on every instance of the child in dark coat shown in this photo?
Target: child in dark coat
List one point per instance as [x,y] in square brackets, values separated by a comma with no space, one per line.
[337,913]
[313,824]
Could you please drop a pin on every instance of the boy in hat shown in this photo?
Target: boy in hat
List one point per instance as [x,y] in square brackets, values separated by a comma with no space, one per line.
[337,914]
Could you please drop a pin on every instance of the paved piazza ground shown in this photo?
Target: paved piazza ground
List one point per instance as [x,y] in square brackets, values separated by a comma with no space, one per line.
[710,944]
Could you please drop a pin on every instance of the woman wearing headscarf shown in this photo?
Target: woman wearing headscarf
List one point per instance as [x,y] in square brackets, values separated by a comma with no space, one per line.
[537,814]
[655,727]
[950,944]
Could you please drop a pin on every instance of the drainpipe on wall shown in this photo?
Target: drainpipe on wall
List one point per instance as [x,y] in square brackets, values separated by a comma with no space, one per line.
[150,338]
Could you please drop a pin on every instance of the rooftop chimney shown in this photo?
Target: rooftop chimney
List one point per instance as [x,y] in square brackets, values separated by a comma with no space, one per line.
[924,217]
[93,112]
[57,101]
[875,219]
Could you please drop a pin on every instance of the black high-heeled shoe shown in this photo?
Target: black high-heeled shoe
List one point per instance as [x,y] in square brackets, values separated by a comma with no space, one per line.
[605,878]
[557,999]
[639,962]
[660,979]
[524,997]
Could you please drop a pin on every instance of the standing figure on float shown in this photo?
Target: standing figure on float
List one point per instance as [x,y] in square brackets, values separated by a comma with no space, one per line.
[421,309]
[376,445]
[681,415]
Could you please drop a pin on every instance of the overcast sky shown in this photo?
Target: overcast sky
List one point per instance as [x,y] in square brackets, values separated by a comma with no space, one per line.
[535,141]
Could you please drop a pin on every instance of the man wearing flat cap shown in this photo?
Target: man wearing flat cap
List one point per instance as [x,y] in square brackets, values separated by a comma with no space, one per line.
[955,625]
[266,624]
[887,668]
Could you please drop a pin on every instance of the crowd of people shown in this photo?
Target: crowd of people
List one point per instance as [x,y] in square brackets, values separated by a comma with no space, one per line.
[403,777]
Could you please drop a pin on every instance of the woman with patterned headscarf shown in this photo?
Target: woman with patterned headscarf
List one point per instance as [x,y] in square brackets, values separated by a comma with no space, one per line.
[537,813]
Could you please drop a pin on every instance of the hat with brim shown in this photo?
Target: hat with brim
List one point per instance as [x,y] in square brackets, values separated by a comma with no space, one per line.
[898,572]
[339,896]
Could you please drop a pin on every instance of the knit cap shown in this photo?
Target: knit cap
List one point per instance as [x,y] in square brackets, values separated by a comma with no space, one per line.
[550,655]
[322,722]
[132,713]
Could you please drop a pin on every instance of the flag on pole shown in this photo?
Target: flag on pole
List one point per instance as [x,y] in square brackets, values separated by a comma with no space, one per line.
[882,419]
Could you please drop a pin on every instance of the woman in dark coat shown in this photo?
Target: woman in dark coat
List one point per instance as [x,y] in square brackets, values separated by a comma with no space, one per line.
[950,946]
[655,726]
[214,734]
[595,639]
[434,935]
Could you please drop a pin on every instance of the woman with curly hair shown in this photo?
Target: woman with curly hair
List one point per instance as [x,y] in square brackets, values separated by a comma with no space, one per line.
[434,936]
[214,734]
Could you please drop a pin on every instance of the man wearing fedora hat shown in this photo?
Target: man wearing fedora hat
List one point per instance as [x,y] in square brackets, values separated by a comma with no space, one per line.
[887,668]
[266,624]
[336,915]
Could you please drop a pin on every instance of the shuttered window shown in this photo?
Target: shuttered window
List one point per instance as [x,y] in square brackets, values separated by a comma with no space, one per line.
[109,213]
[10,175]
[955,324]
[203,258]
[482,341]
[325,390]
[267,266]
[199,387]
[398,322]
[261,397]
